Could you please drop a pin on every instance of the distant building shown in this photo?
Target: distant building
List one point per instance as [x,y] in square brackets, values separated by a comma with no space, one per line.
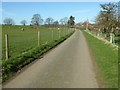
[84,25]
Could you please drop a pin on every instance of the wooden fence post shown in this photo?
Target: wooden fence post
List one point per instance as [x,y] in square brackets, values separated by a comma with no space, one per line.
[59,34]
[65,32]
[38,38]
[6,45]
[52,35]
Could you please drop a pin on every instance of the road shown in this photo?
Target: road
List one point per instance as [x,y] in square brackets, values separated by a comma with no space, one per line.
[69,65]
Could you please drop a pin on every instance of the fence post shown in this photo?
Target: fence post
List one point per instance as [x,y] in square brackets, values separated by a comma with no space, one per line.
[38,38]
[52,35]
[65,32]
[87,25]
[59,34]
[6,44]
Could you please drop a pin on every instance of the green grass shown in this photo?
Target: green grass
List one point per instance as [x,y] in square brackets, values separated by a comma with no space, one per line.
[106,58]
[22,41]
[26,41]
[117,36]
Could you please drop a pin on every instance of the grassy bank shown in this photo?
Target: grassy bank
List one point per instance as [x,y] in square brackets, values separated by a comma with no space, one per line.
[106,58]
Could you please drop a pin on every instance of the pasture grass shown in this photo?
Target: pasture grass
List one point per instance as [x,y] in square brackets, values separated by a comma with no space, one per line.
[26,41]
[106,59]
[22,41]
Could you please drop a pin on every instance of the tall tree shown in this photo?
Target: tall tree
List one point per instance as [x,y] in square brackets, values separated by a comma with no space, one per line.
[8,21]
[71,21]
[49,21]
[23,22]
[107,19]
[37,20]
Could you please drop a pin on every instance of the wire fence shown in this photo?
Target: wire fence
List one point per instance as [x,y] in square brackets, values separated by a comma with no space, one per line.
[110,38]
[18,40]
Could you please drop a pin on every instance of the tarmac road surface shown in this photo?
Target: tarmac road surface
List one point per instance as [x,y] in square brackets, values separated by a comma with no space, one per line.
[69,65]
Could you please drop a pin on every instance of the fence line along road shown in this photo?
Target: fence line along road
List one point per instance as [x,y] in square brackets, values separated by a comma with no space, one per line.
[20,42]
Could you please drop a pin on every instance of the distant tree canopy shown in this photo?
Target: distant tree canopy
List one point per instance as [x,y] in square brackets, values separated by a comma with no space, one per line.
[63,21]
[23,22]
[36,20]
[49,21]
[8,21]
[55,23]
[71,21]
[108,17]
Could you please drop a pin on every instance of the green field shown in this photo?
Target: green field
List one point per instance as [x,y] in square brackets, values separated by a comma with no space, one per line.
[23,45]
[106,58]
[22,41]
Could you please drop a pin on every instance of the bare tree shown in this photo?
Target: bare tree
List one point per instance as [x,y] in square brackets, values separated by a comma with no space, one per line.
[63,21]
[49,21]
[107,19]
[37,20]
[8,21]
[23,22]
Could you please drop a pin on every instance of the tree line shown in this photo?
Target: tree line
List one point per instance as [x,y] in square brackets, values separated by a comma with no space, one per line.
[38,21]
[108,20]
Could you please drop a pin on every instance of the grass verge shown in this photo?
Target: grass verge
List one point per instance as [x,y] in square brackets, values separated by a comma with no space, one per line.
[106,59]
[11,66]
